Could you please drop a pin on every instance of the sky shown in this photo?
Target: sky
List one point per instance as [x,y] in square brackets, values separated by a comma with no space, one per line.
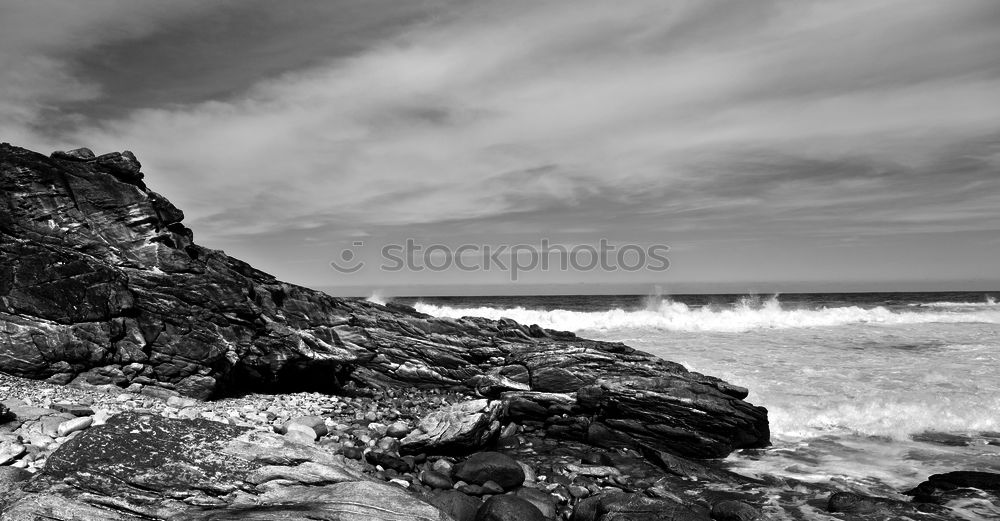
[770,145]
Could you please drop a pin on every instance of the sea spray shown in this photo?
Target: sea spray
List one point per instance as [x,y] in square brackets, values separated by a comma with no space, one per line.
[747,314]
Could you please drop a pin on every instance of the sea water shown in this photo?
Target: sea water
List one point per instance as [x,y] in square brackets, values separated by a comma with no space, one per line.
[863,390]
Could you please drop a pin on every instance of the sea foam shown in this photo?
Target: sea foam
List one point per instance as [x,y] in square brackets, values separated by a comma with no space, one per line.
[748,314]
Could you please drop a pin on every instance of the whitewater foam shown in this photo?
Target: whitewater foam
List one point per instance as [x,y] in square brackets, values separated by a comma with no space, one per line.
[377,298]
[990,303]
[893,418]
[747,314]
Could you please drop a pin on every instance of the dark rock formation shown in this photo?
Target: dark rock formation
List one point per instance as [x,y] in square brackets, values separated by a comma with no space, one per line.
[147,467]
[101,283]
[940,488]
[850,503]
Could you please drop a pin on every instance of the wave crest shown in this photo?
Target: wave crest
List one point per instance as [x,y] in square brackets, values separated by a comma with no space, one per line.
[748,314]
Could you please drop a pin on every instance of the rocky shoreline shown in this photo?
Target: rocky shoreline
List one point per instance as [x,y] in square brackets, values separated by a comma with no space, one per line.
[373,433]
[143,376]
[317,453]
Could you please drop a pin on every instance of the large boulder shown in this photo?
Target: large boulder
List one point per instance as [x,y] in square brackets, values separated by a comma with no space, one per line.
[884,508]
[491,466]
[139,466]
[456,504]
[508,508]
[635,507]
[693,417]
[101,283]
[941,488]
[460,428]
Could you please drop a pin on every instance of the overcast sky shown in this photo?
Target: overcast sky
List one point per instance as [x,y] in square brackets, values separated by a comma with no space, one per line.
[773,145]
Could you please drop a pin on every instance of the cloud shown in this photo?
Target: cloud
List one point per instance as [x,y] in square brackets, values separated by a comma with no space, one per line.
[808,117]
[40,42]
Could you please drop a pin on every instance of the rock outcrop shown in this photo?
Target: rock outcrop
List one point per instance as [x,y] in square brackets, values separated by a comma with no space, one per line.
[941,488]
[459,428]
[147,467]
[101,283]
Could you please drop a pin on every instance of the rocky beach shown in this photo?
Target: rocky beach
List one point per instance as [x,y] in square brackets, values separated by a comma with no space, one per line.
[143,376]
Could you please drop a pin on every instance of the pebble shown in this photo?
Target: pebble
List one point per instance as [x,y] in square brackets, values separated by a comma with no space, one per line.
[435,479]
[398,430]
[77,424]
[10,451]
[300,433]
[443,466]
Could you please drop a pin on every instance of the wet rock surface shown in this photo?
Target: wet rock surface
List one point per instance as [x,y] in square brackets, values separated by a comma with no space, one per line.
[942,488]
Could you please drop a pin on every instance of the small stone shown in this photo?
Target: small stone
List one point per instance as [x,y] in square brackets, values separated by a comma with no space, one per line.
[578,491]
[485,466]
[10,451]
[378,428]
[13,475]
[74,409]
[492,487]
[301,434]
[734,511]
[508,508]
[76,424]
[530,476]
[101,416]
[189,413]
[591,458]
[443,466]
[77,154]
[472,490]
[546,503]
[398,430]
[388,444]
[50,425]
[181,402]
[37,439]
[459,506]
[314,423]
[353,453]
[593,470]
[387,461]
[435,479]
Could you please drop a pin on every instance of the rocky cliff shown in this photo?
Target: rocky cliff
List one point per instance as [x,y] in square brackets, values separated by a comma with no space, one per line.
[101,283]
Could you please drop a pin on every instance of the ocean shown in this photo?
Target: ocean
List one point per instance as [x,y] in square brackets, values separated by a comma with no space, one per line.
[866,392]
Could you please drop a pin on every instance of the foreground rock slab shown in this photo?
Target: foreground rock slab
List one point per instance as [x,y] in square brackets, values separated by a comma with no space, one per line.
[140,466]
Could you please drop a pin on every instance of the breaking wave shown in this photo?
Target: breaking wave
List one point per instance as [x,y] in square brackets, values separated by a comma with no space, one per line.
[377,298]
[895,418]
[748,314]
[989,302]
